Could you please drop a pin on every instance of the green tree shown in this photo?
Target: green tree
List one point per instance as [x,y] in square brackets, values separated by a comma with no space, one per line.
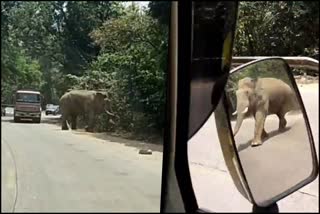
[74,21]
[131,67]
[160,10]
[55,34]
[287,28]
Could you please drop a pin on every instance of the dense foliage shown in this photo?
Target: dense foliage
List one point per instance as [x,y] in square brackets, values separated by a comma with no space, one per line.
[57,45]
[284,28]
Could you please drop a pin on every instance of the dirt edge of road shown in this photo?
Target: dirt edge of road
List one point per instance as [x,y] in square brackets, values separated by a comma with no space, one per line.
[9,188]
[155,143]
[112,137]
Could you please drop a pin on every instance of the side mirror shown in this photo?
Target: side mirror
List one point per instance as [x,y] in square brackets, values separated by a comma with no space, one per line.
[264,132]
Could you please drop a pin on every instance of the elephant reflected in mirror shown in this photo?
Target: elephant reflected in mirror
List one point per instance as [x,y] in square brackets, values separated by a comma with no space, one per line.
[261,97]
[83,102]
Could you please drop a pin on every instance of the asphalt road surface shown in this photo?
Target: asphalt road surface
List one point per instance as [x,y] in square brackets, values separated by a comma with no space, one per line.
[45,169]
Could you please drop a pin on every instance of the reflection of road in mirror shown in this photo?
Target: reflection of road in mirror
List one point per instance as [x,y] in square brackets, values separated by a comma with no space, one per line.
[266,140]
[271,127]
[282,149]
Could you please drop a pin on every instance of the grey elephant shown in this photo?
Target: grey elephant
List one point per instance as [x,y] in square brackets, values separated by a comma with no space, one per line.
[261,97]
[83,102]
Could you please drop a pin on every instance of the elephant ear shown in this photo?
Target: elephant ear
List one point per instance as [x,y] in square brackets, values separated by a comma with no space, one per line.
[242,101]
[101,95]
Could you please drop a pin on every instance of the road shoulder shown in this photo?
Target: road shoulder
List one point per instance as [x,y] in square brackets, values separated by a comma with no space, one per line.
[8,179]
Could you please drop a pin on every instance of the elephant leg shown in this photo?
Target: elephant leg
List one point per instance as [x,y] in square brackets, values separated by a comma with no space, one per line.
[259,131]
[90,126]
[64,123]
[264,133]
[86,119]
[282,122]
[74,122]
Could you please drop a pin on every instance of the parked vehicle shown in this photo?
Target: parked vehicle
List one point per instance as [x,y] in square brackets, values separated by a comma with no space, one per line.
[57,111]
[8,111]
[27,105]
[51,109]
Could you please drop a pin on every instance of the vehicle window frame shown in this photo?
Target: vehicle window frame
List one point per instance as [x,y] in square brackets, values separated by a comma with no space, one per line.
[175,151]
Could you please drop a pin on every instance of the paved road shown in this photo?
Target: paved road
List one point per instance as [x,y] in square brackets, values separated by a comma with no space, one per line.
[46,169]
[215,189]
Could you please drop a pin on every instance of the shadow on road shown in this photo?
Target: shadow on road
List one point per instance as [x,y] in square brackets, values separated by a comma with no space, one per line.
[48,120]
[155,144]
[5,119]
[270,135]
[21,121]
[53,120]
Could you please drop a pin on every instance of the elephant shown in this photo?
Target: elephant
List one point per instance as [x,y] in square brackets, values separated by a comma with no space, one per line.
[83,102]
[261,97]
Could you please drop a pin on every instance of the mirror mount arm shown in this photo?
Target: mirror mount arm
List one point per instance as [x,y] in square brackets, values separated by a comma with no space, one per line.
[293,61]
[273,208]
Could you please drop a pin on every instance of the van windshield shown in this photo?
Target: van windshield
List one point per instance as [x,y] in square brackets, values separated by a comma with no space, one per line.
[28,98]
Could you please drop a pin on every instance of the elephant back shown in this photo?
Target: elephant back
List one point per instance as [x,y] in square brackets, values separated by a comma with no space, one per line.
[77,101]
[280,94]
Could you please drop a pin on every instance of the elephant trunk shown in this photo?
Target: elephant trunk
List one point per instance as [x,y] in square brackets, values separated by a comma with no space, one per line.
[107,106]
[109,113]
[240,118]
[242,109]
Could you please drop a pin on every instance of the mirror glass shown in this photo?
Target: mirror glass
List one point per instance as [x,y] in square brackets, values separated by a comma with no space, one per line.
[269,128]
